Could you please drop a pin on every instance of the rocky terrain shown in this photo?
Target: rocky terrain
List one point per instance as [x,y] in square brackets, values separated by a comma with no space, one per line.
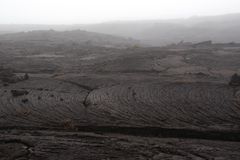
[70,99]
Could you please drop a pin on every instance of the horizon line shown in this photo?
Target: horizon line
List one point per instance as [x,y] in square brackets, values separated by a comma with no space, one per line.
[122,21]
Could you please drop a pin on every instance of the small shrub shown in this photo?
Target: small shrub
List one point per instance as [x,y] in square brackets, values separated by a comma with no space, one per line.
[26,76]
[235,80]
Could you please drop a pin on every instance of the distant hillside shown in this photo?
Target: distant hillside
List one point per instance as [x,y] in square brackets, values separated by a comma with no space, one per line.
[219,29]
[224,28]
[15,28]
[76,36]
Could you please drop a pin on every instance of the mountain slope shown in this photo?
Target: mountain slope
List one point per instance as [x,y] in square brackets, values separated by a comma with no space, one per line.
[221,28]
[224,28]
[76,36]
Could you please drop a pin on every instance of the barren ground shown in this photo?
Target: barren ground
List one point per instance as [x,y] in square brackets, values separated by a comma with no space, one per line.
[86,102]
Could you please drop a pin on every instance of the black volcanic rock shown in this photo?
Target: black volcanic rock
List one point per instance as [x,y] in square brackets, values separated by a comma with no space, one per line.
[16,93]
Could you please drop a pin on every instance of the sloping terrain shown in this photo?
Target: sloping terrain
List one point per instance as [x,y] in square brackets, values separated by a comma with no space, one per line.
[46,103]
[222,28]
[51,37]
[78,101]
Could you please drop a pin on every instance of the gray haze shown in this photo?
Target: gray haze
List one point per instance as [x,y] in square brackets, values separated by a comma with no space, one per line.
[95,11]
[153,22]
[219,29]
[222,28]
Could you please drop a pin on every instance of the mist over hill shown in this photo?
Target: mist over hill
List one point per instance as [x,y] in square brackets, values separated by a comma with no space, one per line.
[63,37]
[219,29]
[224,28]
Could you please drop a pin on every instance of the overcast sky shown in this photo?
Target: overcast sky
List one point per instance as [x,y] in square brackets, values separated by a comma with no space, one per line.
[94,11]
